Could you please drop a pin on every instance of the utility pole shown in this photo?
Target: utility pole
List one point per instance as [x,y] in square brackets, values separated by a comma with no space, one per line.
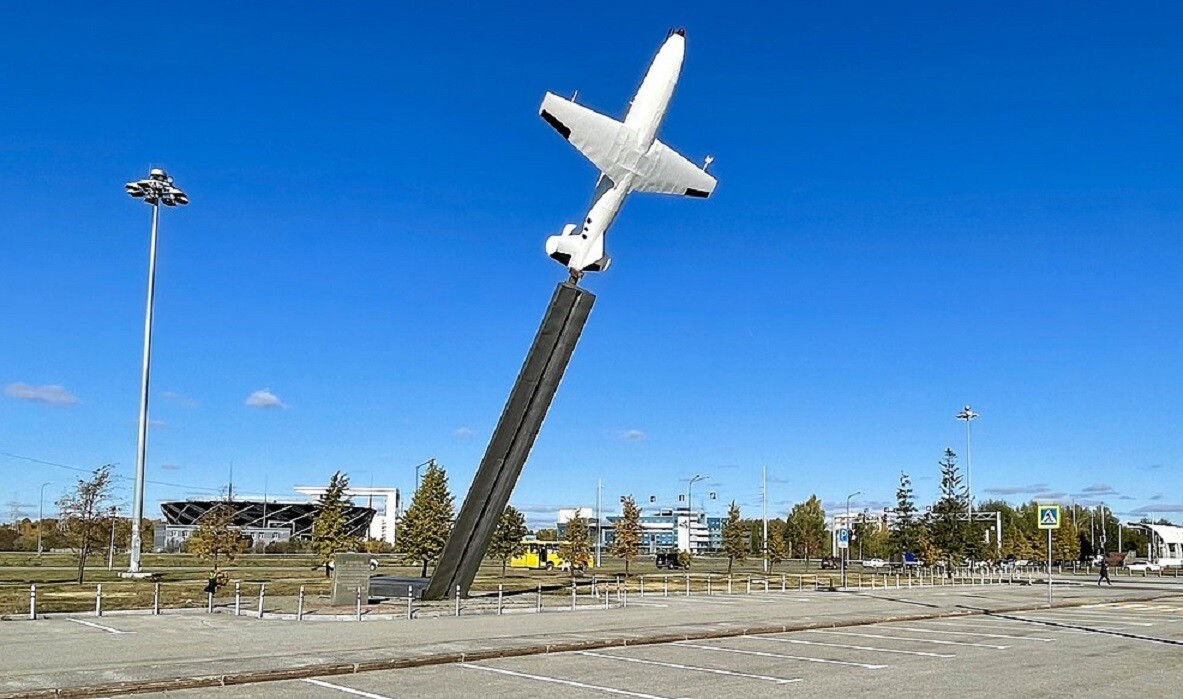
[599,493]
[764,505]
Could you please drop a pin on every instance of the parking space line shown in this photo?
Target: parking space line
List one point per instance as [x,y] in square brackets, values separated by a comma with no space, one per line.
[898,651]
[678,666]
[973,633]
[937,641]
[556,680]
[347,690]
[764,654]
[91,624]
[1051,616]
[1091,613]
[1004,627]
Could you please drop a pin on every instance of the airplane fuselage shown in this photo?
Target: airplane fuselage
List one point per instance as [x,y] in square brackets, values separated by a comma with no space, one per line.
[641,123]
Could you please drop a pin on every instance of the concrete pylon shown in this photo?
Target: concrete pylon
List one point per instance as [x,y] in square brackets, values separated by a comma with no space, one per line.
[511,442]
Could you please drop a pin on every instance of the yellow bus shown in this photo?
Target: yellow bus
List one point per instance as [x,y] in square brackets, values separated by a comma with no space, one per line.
[539,555]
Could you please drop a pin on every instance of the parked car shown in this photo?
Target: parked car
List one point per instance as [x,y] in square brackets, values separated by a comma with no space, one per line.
[671,560]
[874,563]
[1141,564]
[830,563]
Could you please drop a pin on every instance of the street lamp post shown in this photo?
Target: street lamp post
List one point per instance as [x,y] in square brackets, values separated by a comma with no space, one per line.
[968,415]
[41,516]
[157,189]
[429,462]
[846,551]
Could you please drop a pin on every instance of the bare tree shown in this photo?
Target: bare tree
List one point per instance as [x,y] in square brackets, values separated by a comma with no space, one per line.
[83,513]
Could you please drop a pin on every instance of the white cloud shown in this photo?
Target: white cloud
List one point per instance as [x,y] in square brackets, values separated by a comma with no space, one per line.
[264,399]
[50,395]
[463,432]
[633,436]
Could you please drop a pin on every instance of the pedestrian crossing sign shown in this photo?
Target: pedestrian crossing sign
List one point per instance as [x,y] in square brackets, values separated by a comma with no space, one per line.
[1049,516]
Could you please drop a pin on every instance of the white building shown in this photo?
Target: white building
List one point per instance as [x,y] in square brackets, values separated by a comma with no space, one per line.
[384,525]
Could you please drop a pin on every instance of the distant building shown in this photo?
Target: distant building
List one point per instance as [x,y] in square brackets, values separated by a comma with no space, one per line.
[664,529]
[1166,542]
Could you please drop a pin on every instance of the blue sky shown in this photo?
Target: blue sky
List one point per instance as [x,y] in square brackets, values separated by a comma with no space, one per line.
[918,208]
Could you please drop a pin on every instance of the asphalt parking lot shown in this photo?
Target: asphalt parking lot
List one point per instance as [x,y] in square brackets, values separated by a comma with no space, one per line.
[1125,647]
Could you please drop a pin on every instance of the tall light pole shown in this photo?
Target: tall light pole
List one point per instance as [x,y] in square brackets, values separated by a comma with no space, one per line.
[846,551]
[157,189]
[429,462]
[41,516]
[690,508]
[969,416]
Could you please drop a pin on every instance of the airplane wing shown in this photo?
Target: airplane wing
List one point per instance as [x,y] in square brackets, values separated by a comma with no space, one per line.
[665,171]
[592,133]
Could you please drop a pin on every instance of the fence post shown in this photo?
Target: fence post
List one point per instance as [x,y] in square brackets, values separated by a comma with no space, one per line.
[897,581]
[357,614]
[765,585]
[642,586]
[606,598]
[665,586]
[156,598]
[749,585]
[800,583]
[98,600]
[300,605]
[237,597]
[209,603]
[500,592]
[572,595]
[594,592]
[729,584]
[262,594]
[457,600]
[688,584]
[708,584]
[540,598]
[782,582]
[410,602]
[33,601]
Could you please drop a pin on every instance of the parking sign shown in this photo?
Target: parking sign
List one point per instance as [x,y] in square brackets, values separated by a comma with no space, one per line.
[843,538]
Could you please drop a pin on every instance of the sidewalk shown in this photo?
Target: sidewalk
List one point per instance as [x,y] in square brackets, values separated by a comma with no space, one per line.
[77,655]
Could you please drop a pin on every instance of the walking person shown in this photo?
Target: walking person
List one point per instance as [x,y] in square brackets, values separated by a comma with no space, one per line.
[1104,572]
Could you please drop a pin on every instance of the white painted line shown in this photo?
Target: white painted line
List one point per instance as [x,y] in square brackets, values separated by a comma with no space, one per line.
[909,640]
[973,633]
[763,654]
[1096,621]
[91,624]
[850,647]
[347,690]
[1005,627]
[555,680]
[778,680]
[1116,616]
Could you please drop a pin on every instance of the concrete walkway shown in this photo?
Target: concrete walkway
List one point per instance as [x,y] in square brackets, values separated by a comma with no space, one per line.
[77,655]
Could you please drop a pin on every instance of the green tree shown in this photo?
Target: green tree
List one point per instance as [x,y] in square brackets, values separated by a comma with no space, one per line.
[735,537]
[329,533]
[83,509]
[507,537]
[548,534]
[427,523]
[777,549]
[627,542]
[948,531]
[806,529]
[216,534]
[576,545]
[906,528]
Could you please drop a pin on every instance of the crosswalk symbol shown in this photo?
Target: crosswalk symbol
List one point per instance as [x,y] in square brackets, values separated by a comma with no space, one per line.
[1049,516]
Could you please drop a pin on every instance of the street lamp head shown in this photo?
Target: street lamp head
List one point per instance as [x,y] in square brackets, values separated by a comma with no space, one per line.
[158,188]
[966,414]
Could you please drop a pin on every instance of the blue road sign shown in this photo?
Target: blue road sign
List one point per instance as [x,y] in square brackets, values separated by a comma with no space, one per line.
[1049,516]
[843,538]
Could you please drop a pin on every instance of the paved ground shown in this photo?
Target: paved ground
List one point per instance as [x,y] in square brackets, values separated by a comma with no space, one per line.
[1116,642]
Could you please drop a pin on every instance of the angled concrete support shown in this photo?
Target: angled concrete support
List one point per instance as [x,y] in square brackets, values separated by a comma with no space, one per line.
[512,440]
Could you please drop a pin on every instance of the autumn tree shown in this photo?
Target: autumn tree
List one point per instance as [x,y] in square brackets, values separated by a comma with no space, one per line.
[427,523]
[507,537]
[330,534]
[216,534]
[777,549]
[83,511]
[806,528]
[735,539]
[576,545]
[627,542]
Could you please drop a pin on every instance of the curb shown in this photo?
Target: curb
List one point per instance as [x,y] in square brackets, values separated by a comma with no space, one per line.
[332,669]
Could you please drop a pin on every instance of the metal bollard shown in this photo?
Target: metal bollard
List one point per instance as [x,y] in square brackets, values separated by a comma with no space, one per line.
[410,602]
[98,601]
[357,614]
[156,598]
[572,595]
[237,597]
[749,585]
[539,598]
[729,584]
[765,585]
[209,603]
[782,582]
[642,586]
[665,586]
[606,592]
[688,584]
[800,583]
[624,600]
[33,601]
[262,594]
[594,592]
[897,581]
[300,605]
[500,593]
[457,600]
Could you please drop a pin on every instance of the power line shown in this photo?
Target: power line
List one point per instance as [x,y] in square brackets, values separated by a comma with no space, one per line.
[116,476]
